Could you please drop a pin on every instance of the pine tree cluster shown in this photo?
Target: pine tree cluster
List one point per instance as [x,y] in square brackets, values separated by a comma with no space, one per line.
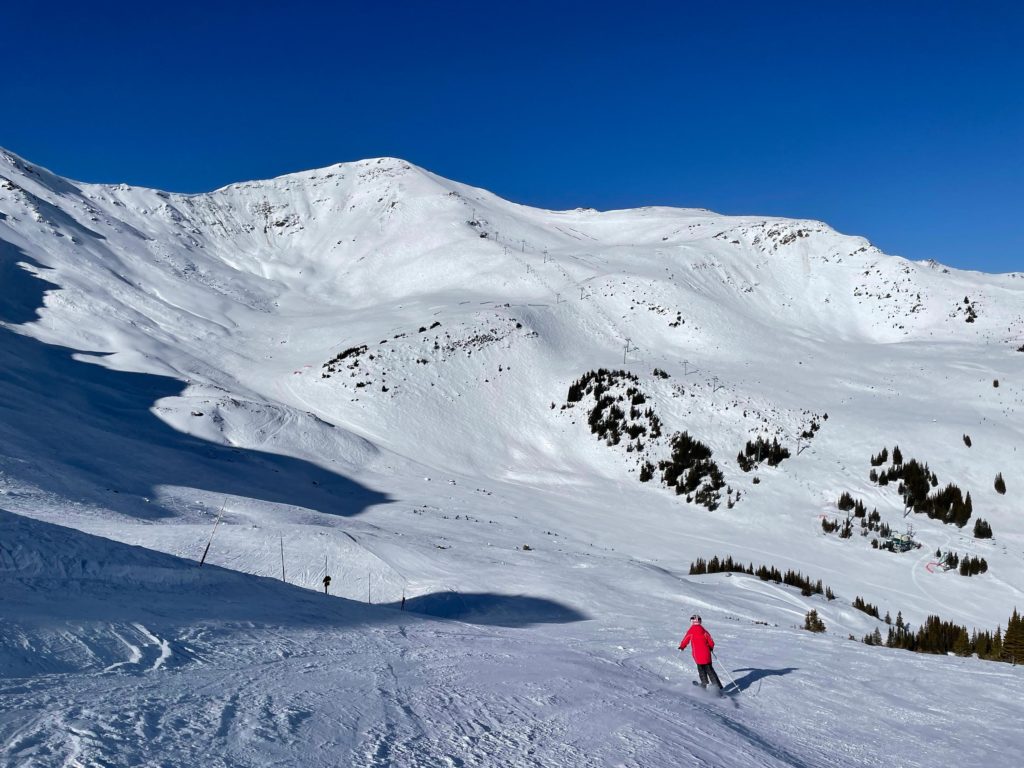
[596,383]
[971,314]
[760,450]
[719,565]
[972,566]
[941,637]
[872,638]
[967,566]
[861,605]
[608,418]
[982,530]
[813,623]
[868,522]
[765,573]
[618,413]
[1013,640]
[811,430]
[949,505]
[691,471]
[354,352]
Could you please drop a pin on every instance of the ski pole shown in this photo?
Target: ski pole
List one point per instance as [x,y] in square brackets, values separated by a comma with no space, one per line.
[717,658]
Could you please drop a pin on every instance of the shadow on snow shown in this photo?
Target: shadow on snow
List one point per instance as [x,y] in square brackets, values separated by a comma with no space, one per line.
[65,590]
[492,609]
[753,675]
[103,443]
[68,596]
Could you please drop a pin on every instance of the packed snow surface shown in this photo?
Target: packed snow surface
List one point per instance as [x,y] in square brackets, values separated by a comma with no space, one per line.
[364,372]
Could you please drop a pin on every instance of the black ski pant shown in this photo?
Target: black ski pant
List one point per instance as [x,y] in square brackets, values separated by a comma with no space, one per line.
[707,672]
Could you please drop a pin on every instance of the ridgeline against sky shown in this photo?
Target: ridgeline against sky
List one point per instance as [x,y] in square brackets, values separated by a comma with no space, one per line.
[900,124]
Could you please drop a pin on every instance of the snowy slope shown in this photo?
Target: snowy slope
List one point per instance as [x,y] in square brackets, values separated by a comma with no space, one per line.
[361,370]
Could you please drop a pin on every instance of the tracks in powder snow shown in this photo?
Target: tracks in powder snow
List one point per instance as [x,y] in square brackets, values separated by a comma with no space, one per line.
[200,714]
[150,655]
[452,721]
[489,709]
[432,694]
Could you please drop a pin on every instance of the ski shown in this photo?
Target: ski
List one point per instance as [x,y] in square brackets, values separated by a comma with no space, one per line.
[723,691]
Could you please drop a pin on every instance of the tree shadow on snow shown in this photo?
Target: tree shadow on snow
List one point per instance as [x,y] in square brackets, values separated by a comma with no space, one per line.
[492,609]
[753,675]
[103,443]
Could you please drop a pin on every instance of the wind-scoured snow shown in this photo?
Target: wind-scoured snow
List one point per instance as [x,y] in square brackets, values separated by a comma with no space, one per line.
[361,372]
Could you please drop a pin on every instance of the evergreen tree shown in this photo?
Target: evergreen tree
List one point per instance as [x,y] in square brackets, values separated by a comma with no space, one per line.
[812,622]
[1000,484]
[862,605]
[1013,639]
[981,642]
[962,644]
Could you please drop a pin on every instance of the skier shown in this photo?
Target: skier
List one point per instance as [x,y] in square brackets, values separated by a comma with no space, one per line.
[702,644]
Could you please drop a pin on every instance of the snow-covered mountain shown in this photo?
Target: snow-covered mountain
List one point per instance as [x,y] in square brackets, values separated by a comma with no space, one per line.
[373,373]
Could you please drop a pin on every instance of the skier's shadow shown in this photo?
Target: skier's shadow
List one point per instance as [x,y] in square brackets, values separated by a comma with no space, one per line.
[753,675]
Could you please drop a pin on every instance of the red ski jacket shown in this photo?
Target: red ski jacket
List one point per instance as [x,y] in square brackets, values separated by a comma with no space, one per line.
[701,643]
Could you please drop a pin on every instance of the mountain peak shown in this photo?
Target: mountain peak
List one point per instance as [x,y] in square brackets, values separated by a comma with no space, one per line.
[515,418]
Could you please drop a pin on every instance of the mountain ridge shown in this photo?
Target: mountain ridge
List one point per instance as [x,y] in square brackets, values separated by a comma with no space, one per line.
[424,391]
[456,301]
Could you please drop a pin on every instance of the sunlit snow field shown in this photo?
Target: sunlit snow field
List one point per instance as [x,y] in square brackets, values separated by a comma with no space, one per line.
[165,384]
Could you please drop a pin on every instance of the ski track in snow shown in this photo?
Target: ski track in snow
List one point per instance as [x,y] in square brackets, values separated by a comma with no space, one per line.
[262,712]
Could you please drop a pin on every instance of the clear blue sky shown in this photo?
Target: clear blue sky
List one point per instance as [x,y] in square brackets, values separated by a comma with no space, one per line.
[899,121]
